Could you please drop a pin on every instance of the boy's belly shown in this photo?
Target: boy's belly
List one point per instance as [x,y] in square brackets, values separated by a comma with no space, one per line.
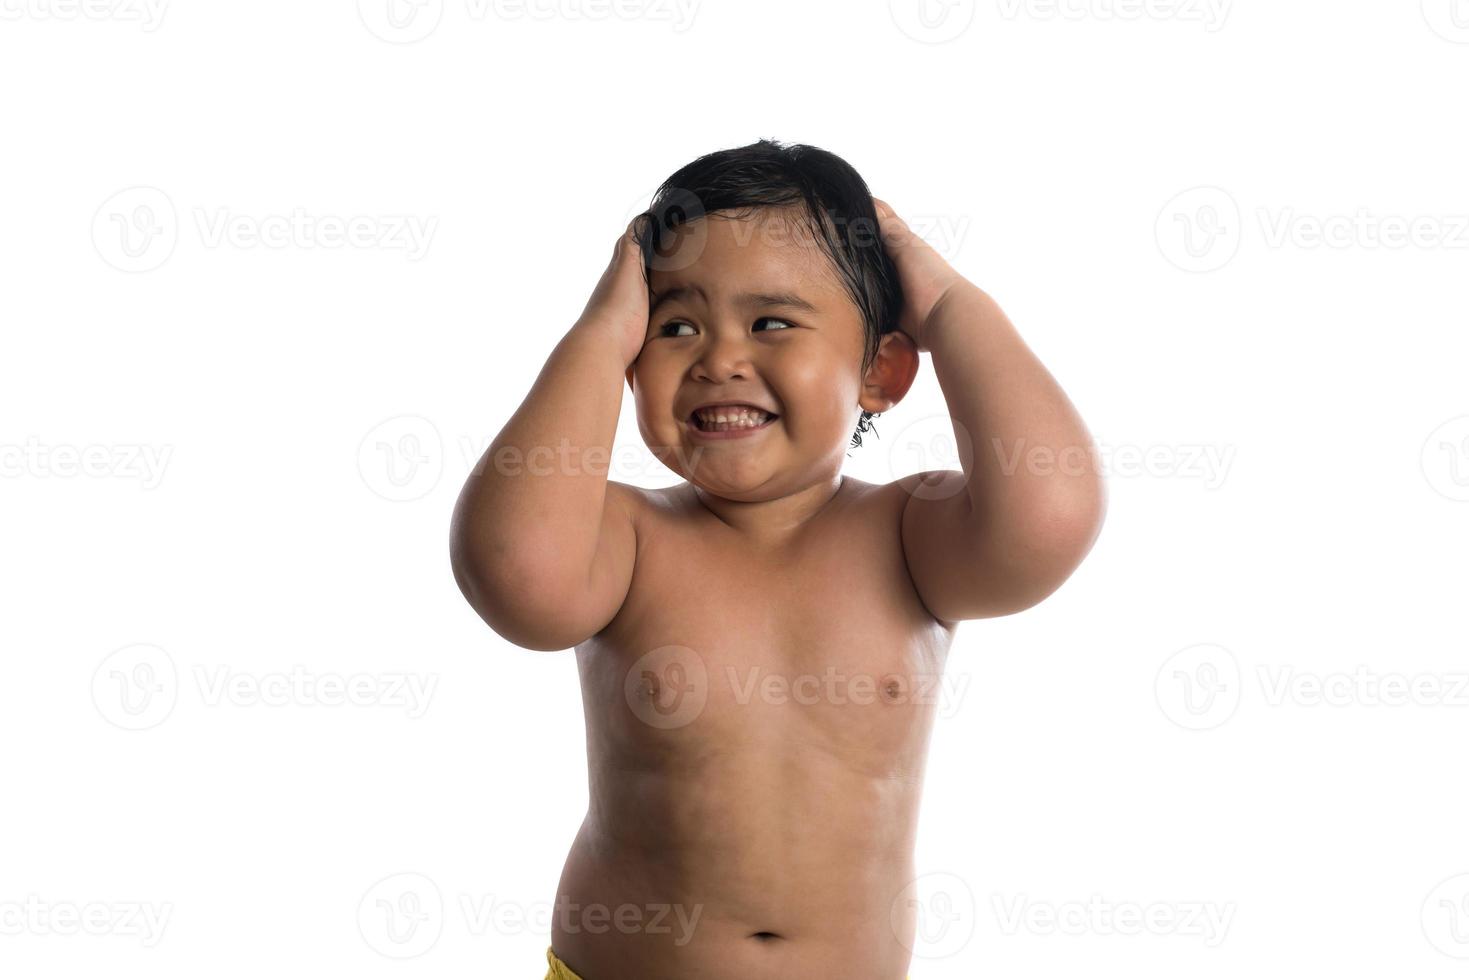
[771,823]
[767,860]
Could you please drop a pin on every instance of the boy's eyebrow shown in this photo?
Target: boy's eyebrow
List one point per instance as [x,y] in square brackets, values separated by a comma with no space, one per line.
[790,300]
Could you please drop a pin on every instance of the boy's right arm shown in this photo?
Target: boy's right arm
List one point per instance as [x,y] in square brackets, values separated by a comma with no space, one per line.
[541,543]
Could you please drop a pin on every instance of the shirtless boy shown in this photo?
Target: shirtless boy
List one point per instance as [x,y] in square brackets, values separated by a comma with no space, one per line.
[753,643]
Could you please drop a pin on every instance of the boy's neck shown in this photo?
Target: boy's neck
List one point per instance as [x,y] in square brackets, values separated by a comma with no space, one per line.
[772,521]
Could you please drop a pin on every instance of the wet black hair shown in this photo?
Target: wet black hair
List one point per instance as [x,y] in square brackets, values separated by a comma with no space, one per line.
[836,206]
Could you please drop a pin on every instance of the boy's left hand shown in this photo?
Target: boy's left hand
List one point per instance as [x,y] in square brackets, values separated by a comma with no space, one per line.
[926,276]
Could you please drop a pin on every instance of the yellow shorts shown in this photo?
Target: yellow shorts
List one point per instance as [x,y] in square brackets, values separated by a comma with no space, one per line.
[559,970]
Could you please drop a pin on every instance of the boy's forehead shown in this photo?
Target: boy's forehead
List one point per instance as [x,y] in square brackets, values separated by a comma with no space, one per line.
[772,251]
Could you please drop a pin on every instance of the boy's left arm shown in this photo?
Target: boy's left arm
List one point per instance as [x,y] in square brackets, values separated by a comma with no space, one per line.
[1005,533]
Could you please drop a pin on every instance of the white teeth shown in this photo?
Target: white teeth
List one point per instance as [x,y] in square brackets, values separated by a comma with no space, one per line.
[731,418]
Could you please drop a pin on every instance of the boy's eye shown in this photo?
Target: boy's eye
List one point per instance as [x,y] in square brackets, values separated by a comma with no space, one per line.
[674,324]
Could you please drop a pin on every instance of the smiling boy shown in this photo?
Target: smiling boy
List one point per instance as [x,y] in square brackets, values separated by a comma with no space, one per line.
[752,642]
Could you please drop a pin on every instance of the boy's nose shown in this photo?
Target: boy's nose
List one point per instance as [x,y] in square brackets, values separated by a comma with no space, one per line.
[724,355]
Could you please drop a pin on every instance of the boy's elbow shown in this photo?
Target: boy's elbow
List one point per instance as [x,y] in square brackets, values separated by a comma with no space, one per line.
[1050,545]
[1064,536]
[511,601]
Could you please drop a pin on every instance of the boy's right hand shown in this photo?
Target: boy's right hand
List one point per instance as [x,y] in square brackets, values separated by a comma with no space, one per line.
[619,304]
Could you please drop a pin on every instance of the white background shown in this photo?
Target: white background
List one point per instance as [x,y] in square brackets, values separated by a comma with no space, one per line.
[1147,739]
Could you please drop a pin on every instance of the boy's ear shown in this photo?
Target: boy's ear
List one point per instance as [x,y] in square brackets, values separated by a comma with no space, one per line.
[891,373]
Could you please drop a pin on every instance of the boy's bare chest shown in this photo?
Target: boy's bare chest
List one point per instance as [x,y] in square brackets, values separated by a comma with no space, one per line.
[815,636]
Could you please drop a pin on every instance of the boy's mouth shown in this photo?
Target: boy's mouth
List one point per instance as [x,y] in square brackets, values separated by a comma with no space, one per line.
[730,418]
